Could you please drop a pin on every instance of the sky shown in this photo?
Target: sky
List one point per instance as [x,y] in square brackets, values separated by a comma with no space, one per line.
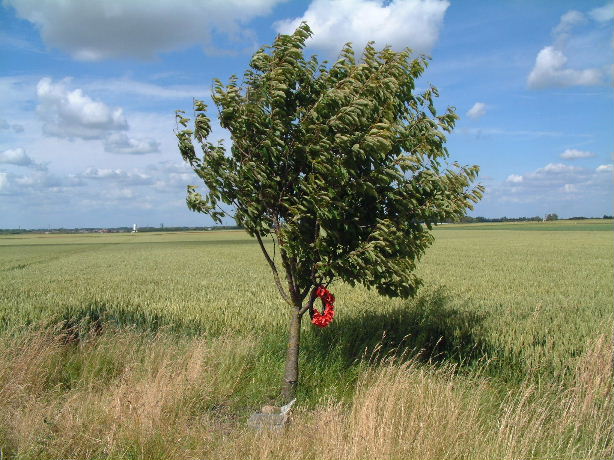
[88,93]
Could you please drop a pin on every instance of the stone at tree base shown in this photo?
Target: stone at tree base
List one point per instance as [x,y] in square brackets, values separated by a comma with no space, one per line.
[271,417]
[270,410]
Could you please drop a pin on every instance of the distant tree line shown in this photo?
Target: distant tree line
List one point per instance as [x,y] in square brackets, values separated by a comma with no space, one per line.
[15,231]
[480,219]
[464,220]
[548,217]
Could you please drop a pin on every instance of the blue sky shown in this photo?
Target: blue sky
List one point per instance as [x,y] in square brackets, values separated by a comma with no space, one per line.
[88,92]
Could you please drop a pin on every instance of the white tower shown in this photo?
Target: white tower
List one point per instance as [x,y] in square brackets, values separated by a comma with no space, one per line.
[134,229]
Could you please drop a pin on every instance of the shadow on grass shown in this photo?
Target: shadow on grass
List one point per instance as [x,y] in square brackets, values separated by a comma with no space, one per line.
[92,319]
[426,327]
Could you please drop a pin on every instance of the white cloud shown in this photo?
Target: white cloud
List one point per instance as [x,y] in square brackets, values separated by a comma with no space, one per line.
[398,23]
[554,183]
[38,183]
[117,175]
[105,29]
[19,157]
[570,188]
[478,110]
[120,194]
[39,180]
[573,154]
[568,21]
[514,178]
[101,188]
[557,168]
[603,13]
[551,64]
[550,71]
[121,143]
[16,156]
[72,114]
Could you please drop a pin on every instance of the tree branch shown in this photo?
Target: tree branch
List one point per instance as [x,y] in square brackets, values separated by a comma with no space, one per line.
[309,304]
[286,263]
[289,274]
[280,288]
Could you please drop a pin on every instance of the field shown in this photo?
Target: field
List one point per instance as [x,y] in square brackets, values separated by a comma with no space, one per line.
[160,345]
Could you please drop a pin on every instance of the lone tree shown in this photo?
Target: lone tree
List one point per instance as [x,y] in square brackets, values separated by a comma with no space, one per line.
[343,166]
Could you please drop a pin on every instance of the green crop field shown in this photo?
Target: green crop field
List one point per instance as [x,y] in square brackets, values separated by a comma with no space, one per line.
[501,314]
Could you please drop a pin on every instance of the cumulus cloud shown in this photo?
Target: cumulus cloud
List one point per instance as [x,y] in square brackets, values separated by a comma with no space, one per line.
[398,23]
[19,157]
[574,154]
[557,168]
[478,110]
[557,182]
[514,178]
[39,180]
[101,187]
[117,175]
[73,114]
[121,143]
[105,29]
[551,64]
[550,71]
[16,156]
[39,183]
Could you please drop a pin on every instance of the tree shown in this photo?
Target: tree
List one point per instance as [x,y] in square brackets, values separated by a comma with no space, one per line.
[342,166]
[552,216]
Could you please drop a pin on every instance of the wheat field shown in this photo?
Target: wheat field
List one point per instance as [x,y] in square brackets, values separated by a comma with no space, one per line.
[160,345]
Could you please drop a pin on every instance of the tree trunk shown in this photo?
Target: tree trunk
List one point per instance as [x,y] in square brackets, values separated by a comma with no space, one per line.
[291,372]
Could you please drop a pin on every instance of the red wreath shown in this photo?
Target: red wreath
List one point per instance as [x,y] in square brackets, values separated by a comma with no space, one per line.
[328,301]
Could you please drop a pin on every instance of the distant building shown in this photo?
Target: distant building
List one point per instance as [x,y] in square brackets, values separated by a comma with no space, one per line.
[135,229]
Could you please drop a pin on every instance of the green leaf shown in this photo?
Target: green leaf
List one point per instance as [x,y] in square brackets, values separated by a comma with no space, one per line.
[344,165]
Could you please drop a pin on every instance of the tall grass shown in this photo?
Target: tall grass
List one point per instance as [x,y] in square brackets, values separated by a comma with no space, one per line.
[127,394]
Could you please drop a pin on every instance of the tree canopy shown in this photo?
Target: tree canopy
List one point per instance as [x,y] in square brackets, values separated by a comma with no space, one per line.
[344,166]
